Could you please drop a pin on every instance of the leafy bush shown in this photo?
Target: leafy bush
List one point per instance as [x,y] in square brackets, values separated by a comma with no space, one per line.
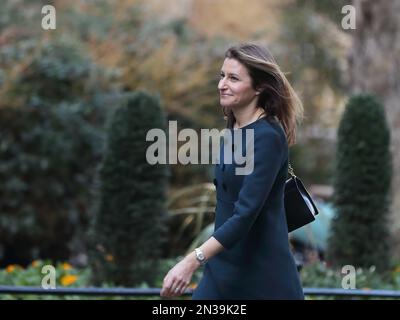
[51,138]
[46,169]
[66,276]
[318,275]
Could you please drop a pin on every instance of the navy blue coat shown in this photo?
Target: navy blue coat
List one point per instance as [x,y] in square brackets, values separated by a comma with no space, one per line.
[250,223]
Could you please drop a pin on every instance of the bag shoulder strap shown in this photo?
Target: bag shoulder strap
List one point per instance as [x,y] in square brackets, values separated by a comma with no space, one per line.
[290,169]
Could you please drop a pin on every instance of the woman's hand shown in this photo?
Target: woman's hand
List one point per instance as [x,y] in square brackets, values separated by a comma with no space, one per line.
[178,278]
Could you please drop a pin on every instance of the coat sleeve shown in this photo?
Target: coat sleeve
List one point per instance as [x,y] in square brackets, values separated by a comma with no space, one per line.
[268,156]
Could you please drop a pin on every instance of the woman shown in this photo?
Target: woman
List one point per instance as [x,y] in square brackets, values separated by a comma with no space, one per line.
[248,255]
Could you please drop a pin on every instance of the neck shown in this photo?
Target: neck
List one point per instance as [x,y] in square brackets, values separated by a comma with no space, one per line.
[244,117]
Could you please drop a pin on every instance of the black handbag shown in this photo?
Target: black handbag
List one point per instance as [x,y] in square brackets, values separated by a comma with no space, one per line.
[299,206]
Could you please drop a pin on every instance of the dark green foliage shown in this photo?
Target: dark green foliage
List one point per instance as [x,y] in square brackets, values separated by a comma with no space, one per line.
[362,186]
[46,158]
[51,138]
[129,225]
[60,72]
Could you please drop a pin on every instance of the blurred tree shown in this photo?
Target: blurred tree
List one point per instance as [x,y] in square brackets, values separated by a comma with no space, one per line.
[129,224]
[328,8]
[374,61]
[312,47]
[362,187]
[236,20]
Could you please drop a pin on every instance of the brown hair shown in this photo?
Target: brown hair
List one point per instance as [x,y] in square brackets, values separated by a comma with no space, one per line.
[277,97]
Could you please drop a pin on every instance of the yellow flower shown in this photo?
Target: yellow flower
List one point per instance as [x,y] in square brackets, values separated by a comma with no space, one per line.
[192,286]
[109,258]
[68,279]
[35,263]
[11,268]
[66,266]
[397,269]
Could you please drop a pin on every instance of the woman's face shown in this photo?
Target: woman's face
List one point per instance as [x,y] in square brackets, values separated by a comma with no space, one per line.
[235,89]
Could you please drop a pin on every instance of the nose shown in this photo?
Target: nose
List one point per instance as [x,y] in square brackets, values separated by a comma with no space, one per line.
[221,84]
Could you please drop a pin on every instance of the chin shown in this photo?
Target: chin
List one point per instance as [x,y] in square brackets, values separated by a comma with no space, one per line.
[225,104]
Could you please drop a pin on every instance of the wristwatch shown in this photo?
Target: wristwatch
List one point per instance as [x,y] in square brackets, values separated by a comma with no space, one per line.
[200,256]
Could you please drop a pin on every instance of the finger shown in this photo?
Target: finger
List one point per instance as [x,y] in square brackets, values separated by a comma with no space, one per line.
[165,291]
[177,291]
[172,289]
[183,290]
[180,288]
[174,292]
[165,280]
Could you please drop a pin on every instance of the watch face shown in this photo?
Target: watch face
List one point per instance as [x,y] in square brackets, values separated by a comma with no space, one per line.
[200,255]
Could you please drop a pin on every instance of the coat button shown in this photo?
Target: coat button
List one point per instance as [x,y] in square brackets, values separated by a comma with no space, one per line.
[224,186]
[215,182]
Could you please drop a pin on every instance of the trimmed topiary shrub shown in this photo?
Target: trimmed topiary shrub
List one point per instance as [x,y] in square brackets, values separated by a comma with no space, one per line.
[360,234]
[129,223]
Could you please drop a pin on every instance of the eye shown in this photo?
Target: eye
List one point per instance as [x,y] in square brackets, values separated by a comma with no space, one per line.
[221,75]
[234,78]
